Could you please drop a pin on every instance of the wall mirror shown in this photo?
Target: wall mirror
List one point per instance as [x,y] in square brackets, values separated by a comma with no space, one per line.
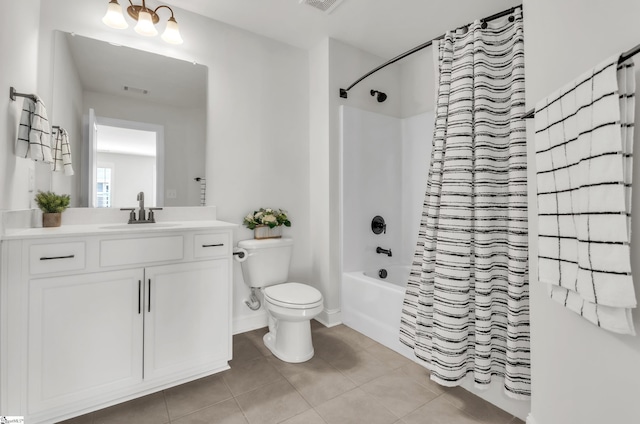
[136,122]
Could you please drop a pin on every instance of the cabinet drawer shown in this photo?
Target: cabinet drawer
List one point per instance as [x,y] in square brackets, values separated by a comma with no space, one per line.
[141,250]
[56,257]
[211,245]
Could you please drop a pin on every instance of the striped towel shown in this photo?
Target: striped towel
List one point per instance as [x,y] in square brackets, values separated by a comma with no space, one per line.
[61,152]
[34,133]
[584,140]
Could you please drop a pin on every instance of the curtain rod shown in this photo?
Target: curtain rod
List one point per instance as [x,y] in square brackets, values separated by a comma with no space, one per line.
[344,92]
[623,57]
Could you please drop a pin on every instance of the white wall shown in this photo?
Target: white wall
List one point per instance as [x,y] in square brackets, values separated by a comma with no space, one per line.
[417,137]
[130,174]
[418,89]
[418,93]
[319,181]
[66,111]
[19,51]
[184,139]
[385,165]
[581,374]
[257,151]
[335,65]
[372,185]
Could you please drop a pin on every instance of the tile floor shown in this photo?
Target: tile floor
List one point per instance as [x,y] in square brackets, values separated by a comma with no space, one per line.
[351,379]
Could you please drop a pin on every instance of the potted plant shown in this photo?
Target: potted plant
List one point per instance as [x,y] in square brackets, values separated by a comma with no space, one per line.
[267,223]
[52,205]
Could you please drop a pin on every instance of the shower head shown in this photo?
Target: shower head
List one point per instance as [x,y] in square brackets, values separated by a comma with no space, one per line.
[381,96]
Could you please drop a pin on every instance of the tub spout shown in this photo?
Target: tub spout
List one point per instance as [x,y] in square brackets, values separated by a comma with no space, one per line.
[384,251]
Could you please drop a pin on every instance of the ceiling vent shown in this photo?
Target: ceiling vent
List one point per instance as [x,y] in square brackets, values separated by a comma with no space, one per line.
[135,90]
[326,6]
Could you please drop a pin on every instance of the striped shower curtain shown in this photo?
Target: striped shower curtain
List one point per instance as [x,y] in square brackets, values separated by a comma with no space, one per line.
[466,308]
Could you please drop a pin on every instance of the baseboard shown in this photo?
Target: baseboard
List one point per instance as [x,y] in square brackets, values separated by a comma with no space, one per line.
[330,317]
[249,323]
[530,419]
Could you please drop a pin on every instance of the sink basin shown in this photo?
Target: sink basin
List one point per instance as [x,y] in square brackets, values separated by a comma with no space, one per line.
[137,226]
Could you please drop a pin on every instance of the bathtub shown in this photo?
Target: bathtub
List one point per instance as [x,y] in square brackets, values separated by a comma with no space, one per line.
[372,305]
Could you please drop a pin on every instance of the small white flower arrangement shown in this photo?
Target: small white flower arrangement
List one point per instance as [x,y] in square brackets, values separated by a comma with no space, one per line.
[269,217]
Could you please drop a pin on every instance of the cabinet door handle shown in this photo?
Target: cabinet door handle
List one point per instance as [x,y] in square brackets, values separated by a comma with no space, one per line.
[139,297]
[213,245]
[149,303]
[51,258]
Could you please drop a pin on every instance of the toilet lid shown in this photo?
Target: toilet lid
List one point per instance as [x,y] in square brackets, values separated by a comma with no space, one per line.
[292,295]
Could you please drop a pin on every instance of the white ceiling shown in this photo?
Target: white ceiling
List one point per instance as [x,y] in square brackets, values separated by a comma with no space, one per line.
[383,27]
[126,141]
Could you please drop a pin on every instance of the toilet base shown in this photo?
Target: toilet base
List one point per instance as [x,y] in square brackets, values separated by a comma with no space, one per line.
[291,342]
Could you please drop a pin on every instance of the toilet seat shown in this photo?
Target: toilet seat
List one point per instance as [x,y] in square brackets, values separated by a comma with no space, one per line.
[293,295]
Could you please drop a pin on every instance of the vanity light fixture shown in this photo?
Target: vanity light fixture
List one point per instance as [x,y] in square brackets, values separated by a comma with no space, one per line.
[146,20]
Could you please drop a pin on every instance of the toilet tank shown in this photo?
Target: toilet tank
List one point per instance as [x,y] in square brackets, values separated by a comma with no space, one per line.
[267,261]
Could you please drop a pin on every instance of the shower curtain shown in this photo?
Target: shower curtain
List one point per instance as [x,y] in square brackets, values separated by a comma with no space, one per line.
[466,308]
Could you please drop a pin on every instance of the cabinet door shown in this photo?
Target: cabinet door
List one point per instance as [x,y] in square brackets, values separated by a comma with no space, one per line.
[85,336]
[187,321]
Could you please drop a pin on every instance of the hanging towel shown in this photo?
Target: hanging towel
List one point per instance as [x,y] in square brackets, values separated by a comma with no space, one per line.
[203,191]
[61,152]
[584,140]
[34,133]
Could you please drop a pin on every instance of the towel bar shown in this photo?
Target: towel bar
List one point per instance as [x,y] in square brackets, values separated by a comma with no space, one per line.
[13,94]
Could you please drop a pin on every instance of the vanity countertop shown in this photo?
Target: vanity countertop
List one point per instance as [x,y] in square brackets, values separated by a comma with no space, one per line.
[113,229]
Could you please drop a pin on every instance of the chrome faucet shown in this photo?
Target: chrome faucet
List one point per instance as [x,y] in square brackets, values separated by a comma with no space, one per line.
[142,218]
[384,251]
[141,212]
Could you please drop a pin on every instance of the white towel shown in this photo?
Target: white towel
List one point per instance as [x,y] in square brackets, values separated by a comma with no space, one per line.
[34,134]
[61,152]
[584,140]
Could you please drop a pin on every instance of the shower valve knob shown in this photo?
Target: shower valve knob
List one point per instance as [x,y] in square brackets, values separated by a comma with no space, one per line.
[378,225]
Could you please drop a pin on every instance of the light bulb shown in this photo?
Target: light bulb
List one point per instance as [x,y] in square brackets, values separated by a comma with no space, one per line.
[114,17]
[145,24]
[171,33]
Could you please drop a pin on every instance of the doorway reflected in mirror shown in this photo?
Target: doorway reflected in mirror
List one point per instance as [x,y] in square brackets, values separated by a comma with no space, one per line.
[126,163]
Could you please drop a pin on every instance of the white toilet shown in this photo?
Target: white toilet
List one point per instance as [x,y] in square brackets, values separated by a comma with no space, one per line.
[290,306]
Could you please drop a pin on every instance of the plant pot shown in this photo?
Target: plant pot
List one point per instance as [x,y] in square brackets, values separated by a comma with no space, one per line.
[264,232]
[51,219]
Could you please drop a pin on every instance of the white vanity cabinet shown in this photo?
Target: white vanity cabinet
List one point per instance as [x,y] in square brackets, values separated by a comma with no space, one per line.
[85,337]
[185,305]
[90,321]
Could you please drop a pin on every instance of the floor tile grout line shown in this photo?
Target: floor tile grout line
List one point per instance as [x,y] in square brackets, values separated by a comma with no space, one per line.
[410,412]
[473,416]
[257,387]
[392,370]
[444,390]
[246,418]
[360,345]
[201,409]
[273,382]
[218,376]
[166,407]
[303,397]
